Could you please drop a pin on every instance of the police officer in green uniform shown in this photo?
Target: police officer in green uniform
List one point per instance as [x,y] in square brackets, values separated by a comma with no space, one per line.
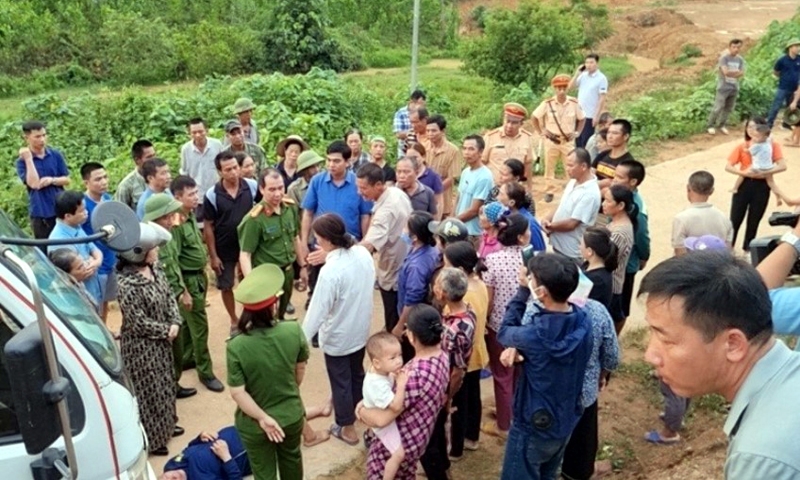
[192,258]
[270,234]
[163,210]
[266,364]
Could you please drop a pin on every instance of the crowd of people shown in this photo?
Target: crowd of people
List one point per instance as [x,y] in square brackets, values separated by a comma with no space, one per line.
[451,239]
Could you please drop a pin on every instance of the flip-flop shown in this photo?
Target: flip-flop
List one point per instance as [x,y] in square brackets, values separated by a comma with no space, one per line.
[300,285]
[654,437]
[319,437]
[336,431]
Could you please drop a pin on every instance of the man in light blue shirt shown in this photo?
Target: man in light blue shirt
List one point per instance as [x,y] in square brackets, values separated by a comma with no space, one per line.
[592,87]
[70,215]
[156,173]
[474,186]
[711,331]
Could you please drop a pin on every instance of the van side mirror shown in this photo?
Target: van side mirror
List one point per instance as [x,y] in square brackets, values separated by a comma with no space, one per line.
[35,397]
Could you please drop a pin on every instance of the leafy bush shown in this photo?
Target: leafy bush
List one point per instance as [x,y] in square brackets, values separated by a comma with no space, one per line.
[478,16]
[512,52]
[207,48]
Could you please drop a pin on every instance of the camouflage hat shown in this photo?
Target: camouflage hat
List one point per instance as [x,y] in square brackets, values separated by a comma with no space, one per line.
[377,139]
[158,205]
[449,230]
[261,288]
[243,105]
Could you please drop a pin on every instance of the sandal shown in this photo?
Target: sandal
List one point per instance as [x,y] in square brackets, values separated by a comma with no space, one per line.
[491,428]
[336,431]
[319,437]
[654,437]
[300,286]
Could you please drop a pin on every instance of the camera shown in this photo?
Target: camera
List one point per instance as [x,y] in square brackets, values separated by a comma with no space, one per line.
[761,247]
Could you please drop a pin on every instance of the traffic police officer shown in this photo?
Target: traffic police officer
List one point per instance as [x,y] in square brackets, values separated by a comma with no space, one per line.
[270,234]
[509,141]
[559,120]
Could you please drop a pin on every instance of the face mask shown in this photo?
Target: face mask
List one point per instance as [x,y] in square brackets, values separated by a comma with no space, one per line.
[406,239]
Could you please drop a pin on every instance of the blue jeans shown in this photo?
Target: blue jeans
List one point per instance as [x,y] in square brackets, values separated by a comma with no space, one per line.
[530,458]
[782,99]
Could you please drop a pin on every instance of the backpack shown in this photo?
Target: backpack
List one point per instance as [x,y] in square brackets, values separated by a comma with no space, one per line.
[211,195]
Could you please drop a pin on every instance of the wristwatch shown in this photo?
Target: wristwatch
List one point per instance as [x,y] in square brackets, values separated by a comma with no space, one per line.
[793,240]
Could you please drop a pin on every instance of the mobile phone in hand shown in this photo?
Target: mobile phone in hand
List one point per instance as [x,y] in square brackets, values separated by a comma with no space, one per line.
[527,254]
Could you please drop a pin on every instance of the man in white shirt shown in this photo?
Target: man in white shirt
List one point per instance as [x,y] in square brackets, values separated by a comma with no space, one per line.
[578,208]
[197,158]
[701,218]
[592,88]
[390,212]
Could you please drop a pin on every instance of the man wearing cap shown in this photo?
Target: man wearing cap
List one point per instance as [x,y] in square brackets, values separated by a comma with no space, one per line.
[509,141]
[787,69]
[558,121]
[270,234]
[402,122]
[225,205]
[390,212]
[474,187]
[163,210]
[234,136]
[377,152]
[307,166]
[730,70]
[701,218]
[592,87]
[450,230]
[197,157]
[243,109]
[444,158]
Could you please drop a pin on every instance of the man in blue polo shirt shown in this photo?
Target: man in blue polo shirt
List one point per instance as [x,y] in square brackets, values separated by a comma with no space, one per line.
[44,172]
[95,179]
[71,214]
[333,191]
[787,69]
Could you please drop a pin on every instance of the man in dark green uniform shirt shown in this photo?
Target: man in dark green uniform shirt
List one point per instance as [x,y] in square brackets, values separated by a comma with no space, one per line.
[163,210]
[270,234]
[192,257]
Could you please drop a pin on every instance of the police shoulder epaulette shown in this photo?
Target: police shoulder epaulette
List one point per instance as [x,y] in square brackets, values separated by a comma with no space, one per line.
[288,201]
[256,210]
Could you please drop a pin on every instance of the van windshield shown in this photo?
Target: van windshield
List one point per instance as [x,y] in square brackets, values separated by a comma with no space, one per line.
[65,300]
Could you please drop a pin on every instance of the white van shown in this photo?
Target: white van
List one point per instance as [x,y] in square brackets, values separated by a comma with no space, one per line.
[107,440]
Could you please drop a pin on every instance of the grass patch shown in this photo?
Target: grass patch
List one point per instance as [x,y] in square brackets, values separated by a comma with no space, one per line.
[616,68]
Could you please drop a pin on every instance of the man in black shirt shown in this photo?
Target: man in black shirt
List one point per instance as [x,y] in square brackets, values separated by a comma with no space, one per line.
[224,206]
[605,164]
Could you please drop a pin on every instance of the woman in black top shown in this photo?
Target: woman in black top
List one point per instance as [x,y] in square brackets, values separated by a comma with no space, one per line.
[600,254]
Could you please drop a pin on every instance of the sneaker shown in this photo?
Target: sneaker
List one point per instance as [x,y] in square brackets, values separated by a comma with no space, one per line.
[471,445]
[724,130]
[711,131]
[290,309]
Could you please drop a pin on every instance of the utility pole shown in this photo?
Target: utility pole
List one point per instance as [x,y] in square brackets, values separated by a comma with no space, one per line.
[415,46]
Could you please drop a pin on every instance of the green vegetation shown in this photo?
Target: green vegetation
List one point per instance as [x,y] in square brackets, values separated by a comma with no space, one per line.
[52,44]
[511,52]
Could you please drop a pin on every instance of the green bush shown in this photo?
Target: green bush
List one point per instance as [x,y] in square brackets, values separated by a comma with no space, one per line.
[207,48]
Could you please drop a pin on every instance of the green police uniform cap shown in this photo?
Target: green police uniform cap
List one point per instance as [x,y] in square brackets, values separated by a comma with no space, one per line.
[260,288]
[243,105]
[159,205]
[792,42]
[792,117]
[309,158]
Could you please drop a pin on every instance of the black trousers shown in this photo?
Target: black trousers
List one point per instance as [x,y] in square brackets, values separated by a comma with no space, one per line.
[751,199]
[42,227]
[582,447]
[435,461]
[346,375]
[391,317]
[585,134]
[465,422]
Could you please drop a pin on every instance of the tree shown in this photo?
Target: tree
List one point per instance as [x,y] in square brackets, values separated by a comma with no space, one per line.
[527,46]
[297,39]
